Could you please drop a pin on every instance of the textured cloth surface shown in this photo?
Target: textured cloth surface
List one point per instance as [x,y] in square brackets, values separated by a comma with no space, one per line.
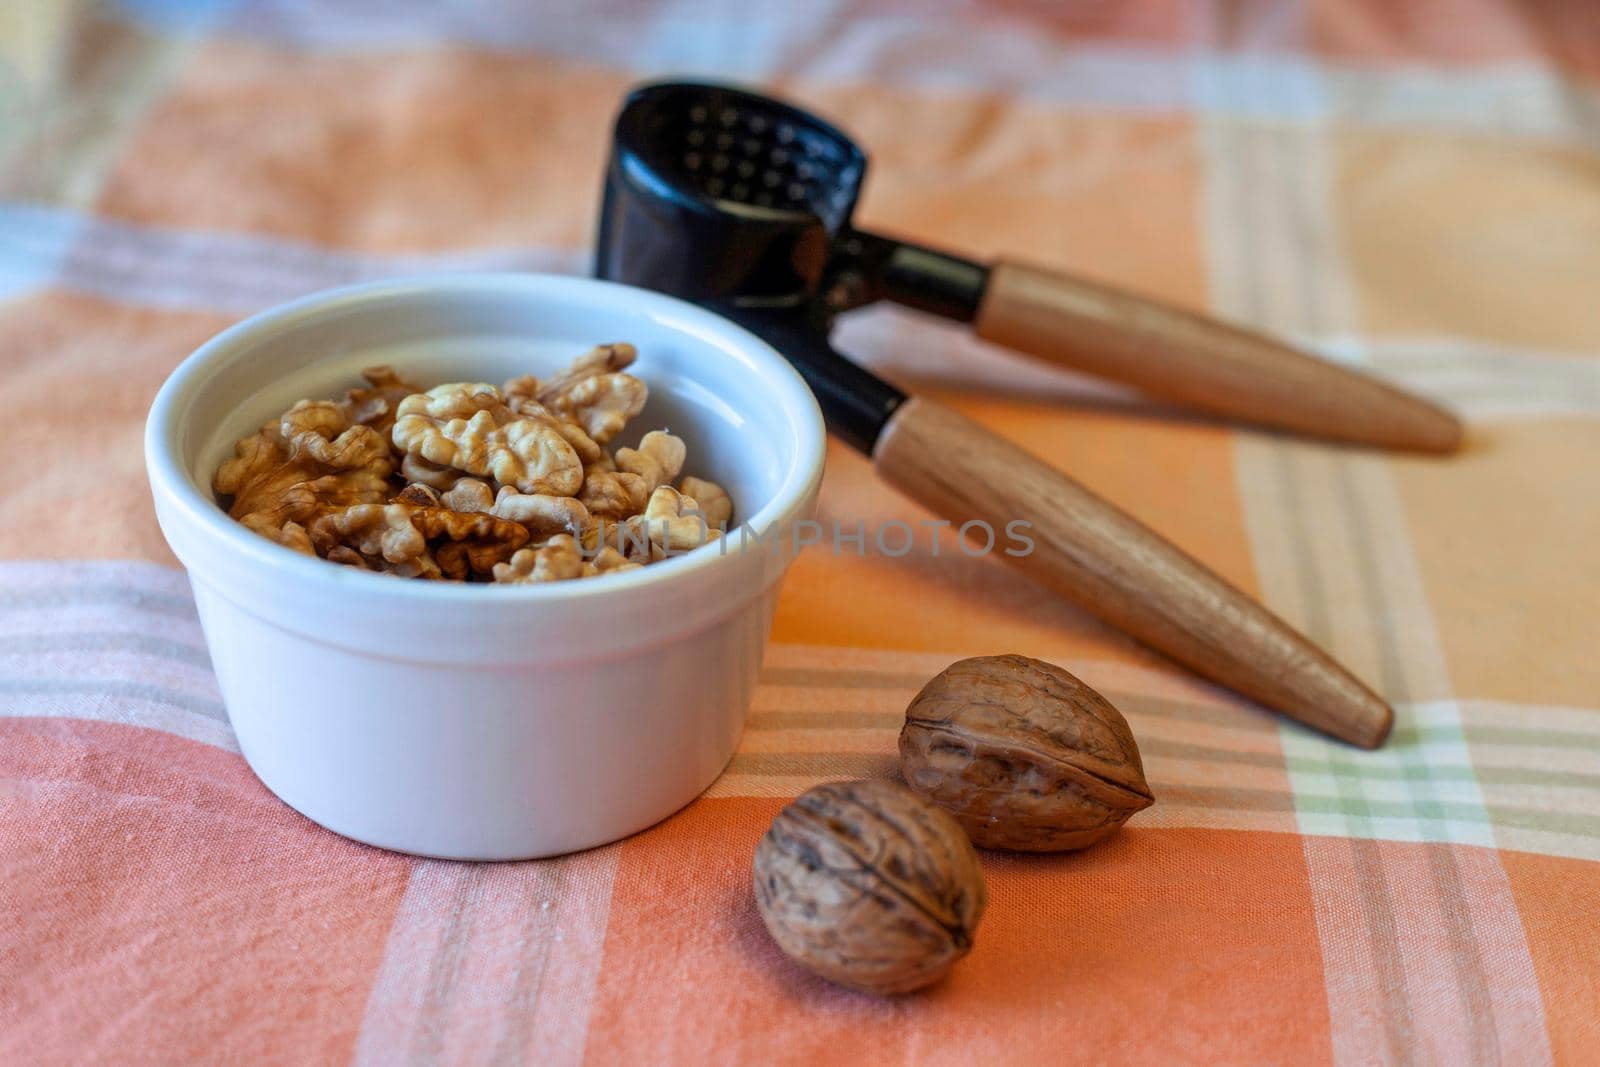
[1414,187]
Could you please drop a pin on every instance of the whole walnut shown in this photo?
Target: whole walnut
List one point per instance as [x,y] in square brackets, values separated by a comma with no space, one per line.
[870,886]
[1023,754]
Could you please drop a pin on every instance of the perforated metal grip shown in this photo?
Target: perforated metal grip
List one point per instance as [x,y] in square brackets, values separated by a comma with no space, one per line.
[714,193]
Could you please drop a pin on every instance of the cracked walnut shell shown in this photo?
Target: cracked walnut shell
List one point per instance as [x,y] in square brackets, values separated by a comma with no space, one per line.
[1023,754]
[868,885]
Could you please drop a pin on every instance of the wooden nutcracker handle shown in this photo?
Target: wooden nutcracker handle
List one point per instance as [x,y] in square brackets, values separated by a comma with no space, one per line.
[1119,569]
[1201,362]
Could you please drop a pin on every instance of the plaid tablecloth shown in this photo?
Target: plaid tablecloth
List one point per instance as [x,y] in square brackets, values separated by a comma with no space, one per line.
[1415,187]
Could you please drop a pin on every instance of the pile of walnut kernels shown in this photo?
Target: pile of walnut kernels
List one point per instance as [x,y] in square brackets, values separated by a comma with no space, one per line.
[468,482]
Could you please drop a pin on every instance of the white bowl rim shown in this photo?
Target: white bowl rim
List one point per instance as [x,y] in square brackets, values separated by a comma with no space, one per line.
[168,475]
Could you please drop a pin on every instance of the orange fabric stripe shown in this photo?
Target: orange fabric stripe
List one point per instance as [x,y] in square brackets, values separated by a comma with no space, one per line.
[1176,475]
[189,879]
[87,369]
[1079,952]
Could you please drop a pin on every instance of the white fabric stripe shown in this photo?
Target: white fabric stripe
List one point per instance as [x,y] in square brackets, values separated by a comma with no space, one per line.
[166,588]
[130,674]
[114,621]
[727,39]
[132,614]
[124,631]
[20,606]
[1264,88]
[122,710]
[1486,382]
[1110,675]
[1289,236]
[238,273]
[1334,556]
[107,641]
[33,242]
[933,50]
[531,934]
[1505,100]
[53,639]
[1566,719]
[1315,777]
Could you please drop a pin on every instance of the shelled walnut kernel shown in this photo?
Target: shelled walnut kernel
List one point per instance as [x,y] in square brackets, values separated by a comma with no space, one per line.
[473,482]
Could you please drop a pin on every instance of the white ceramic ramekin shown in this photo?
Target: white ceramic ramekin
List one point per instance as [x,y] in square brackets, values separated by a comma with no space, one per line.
[475,721]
